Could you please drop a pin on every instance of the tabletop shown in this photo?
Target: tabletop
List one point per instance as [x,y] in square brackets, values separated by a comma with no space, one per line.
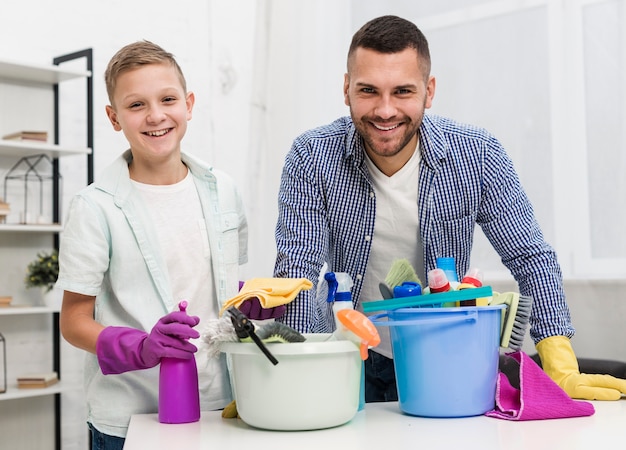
[384,426]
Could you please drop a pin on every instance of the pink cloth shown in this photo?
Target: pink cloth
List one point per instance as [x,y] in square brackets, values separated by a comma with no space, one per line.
[537,398]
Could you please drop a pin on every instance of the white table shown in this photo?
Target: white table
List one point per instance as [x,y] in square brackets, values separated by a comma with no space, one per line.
[383,426]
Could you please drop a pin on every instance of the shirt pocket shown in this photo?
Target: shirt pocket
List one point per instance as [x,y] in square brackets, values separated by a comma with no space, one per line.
[229,237]
[453,237]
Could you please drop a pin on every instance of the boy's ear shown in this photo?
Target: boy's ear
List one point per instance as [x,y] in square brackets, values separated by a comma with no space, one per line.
[112,115]
[190,100]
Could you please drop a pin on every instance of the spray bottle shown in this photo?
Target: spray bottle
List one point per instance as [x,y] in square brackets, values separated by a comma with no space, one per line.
[179,397]
[339,294]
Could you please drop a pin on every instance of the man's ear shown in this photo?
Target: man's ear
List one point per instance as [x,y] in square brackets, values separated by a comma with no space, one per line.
[346,86]
[430,91]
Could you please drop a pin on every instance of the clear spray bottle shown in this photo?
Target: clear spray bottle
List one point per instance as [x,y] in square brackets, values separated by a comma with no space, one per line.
[340,295]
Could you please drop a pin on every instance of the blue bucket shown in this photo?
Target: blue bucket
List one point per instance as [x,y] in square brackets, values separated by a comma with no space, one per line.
[446,359]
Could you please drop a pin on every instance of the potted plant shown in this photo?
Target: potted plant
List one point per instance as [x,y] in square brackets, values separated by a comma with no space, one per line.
[43,271]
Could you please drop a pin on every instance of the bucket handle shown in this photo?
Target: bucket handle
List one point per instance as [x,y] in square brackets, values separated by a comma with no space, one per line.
[468,316]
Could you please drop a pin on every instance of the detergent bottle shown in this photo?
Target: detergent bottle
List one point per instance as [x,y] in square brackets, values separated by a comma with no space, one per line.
[448,265]
[179,397]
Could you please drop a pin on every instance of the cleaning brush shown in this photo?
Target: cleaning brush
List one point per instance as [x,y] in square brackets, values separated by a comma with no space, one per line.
[221,330]
[277,332]
[515,318]
[401,270]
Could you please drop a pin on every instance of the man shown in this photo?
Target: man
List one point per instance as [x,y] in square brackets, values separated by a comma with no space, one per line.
[390,182]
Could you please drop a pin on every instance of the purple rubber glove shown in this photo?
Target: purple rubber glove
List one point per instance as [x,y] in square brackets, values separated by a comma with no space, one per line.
[122,349]
[253,310]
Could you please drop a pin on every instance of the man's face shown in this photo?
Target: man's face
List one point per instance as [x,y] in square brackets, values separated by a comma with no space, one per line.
[387,94]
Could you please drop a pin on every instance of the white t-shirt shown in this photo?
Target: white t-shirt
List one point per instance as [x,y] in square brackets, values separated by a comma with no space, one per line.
[396,232]
[181,230]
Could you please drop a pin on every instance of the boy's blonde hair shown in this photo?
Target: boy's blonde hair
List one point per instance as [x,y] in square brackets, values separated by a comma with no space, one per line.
[135,55]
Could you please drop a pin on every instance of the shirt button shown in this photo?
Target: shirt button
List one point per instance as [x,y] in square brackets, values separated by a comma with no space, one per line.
[368,238]
[371,194]
[359,276]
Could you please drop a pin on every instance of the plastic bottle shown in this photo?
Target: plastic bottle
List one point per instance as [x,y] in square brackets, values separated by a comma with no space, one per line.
[448,265]
[474,277]
[438,281]
[179,397]
[340,295]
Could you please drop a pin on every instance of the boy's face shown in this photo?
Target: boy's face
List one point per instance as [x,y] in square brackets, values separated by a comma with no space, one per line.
[151,108]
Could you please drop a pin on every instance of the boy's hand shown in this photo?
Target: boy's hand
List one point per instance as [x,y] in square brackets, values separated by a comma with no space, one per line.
[122,349]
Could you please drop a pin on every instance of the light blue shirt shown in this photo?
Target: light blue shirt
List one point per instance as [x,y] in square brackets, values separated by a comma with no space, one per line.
[327,210]
[110,250]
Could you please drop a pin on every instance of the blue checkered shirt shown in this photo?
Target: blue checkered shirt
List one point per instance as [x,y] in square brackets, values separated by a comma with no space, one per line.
[327,211]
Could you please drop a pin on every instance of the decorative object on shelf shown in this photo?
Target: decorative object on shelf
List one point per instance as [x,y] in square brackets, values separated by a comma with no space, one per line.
[41,136]
[5,209]
[37,380]
[5,300]
[43,271]
[3,364]
[35,168]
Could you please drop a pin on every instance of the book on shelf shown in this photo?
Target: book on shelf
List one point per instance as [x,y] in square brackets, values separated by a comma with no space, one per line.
[41,136]
[37,380]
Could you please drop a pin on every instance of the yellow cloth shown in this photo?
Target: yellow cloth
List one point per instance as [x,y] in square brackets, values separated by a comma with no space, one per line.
[271,292]
[560,364]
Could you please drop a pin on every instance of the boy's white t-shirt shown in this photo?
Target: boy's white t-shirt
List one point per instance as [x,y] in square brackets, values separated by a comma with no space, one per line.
[180,227]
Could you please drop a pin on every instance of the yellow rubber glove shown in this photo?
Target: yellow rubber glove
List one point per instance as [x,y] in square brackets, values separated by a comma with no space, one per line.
[560,364]
[230,411]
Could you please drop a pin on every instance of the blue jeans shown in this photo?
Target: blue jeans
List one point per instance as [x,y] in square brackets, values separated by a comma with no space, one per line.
[101,441]
[380,379]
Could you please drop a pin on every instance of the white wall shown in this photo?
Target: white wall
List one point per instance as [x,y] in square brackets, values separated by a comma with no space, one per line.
[264,71]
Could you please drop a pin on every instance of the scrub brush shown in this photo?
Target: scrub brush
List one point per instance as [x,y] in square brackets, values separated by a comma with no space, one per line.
[221,330]
[401,270]
[277,332]
[515,318]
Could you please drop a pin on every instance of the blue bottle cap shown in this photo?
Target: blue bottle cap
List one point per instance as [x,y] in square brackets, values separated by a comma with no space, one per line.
[407,289]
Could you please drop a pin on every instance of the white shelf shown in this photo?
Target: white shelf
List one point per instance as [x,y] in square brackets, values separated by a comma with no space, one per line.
[18,79]
[13,392]
[34,228]
[41,74]
[17,310]
[22,148]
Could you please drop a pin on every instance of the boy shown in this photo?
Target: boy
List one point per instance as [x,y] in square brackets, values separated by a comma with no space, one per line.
[158,227]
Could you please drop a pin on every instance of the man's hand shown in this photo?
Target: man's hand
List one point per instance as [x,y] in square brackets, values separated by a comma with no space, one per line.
[560,364]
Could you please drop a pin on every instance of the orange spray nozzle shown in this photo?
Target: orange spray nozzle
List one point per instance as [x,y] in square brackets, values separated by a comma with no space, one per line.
[360,326]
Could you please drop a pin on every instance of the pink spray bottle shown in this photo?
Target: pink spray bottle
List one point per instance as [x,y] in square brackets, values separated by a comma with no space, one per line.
[179,397]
